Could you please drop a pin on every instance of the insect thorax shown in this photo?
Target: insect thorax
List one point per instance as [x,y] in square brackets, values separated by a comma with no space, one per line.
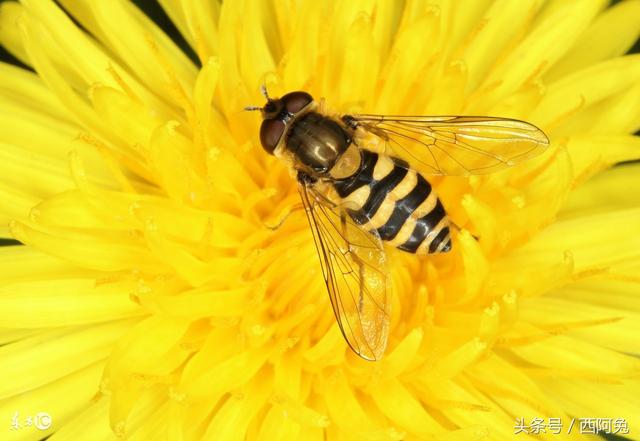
[317,143]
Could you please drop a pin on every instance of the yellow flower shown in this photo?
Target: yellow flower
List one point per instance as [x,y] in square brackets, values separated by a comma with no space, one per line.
[151,302]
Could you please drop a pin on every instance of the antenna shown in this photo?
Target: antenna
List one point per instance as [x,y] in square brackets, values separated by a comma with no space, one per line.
[263,89]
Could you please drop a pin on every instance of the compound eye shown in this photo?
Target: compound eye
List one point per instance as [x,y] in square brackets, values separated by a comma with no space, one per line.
[271,131]
[296,101]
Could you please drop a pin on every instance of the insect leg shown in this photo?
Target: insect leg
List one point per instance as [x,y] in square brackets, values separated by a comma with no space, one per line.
[356,259]
[459,229]
[322,105]
[295,208]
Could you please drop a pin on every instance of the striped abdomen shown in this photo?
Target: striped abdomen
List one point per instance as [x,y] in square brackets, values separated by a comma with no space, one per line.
[398,203]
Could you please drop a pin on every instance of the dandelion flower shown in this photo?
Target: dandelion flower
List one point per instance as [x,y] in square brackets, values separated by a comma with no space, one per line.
[151,302]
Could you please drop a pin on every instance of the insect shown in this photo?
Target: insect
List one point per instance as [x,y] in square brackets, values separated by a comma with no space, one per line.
[356,198]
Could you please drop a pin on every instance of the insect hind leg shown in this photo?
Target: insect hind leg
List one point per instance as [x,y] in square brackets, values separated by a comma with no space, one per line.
[458,228]
[282,220]
[350,250]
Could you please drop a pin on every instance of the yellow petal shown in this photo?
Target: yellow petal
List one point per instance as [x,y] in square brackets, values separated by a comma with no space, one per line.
[304,46]
[607,327]
[201,18]
[44,358]
[25,264]
[502,21]
[610,35]
[23,87]
[69,58]
[612,242]
[622,115]
[10,16]
[90,423]
[174,9]
[228,375]
[211,125]
[552,35]
[402,408]
[408,49]
[113,252]
[589,156]
[620,294]
[41,174]
[133,120]
[13,205]
[343,406]
[31,304]
[608,191]
[77,388]
[256,56]
[403,354]
[277,426]
[620,402]
[356,63]
[221,343]
[170,156]
[585,87]
[232,420]
[144,48]
[574,356]
[168,225]
[209,302]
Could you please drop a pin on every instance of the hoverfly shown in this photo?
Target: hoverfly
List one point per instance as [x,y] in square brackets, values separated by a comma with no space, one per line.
[356,199]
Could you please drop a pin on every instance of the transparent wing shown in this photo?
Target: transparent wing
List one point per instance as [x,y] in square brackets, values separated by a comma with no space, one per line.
[354,269]
[455,145]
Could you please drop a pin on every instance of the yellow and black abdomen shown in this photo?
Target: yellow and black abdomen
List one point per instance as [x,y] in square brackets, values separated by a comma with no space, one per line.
[399,204]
